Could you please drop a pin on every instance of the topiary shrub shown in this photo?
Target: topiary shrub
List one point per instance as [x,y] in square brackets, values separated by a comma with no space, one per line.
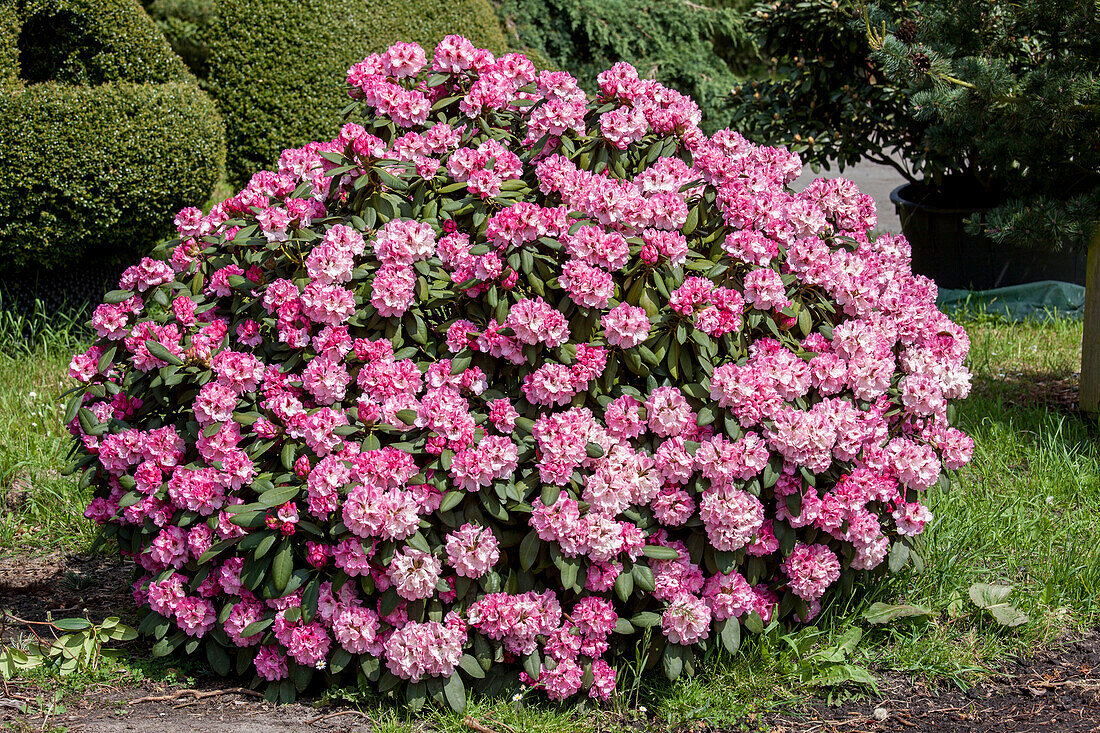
[104,134]
[89,42]
[505,381]
[276,67]
[9,49]
[187,25]
[100,171]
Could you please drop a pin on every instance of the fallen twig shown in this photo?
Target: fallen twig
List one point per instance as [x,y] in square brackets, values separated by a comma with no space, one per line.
[1075,684]
[469,722]
[334,715]
[198,695]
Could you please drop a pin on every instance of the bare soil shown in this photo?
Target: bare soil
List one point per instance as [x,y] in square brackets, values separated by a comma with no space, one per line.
[1055,690]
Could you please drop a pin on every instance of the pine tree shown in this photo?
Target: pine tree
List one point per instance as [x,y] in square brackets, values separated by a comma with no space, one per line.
[1011,98]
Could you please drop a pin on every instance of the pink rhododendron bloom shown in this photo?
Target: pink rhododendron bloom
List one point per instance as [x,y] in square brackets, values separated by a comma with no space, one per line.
[454,354]
[811,569]
[472,550]
[626,326]
[687,619]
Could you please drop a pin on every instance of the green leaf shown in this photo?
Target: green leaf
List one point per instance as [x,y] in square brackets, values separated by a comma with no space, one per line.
[158,350]
[624,586]
[754,623]
[1007,615]
[451,499]
[455,692]
[529,550]
[884,613]
[219,660]
[419,542]
[690,224]
[339,661]
[659,552]
[673,661]
[643,578]
[471,666]
[899,557]
[594,450]
[256,627]
[459,364]
[72,624]
[122,632]
[805,321]
[550,494]
[106,360]
[569,569]
[286,455]
[993,598]
[407,416]
[283,565]
[985,595]
[731,635]
[89,423]
[267,541]
[216,549]
[278,496]
[532,665]
[645,619]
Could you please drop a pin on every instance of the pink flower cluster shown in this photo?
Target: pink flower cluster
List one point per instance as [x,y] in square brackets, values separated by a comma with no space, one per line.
[503,367]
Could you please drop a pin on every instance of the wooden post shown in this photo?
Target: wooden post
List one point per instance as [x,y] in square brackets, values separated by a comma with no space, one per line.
[1090,341]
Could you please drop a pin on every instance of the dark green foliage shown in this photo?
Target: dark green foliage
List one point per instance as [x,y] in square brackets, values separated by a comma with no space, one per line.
[187,25]
[9,50]
[92,42]
[1011,99]
[104,135]
[695,49]
[278,69]
[995,100]
[820,95]
[100,171]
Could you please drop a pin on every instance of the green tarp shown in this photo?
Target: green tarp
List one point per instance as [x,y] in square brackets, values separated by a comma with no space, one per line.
[1037,300]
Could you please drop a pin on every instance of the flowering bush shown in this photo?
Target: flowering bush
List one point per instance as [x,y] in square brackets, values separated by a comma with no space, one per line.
[506,380]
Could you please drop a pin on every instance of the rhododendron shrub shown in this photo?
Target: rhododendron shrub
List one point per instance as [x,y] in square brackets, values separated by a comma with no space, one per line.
[504,376]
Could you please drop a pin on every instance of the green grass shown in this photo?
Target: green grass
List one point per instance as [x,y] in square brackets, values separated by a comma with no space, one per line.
[1025,512]
[40,509]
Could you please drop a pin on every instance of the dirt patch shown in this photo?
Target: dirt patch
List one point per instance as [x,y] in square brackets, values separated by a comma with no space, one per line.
[222,711]
[1056,690]
[58,586]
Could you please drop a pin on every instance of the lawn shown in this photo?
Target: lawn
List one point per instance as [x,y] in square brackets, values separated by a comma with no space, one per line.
[1025,513]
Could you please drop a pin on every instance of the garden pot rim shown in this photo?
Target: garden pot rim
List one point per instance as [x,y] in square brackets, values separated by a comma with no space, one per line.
[898,198]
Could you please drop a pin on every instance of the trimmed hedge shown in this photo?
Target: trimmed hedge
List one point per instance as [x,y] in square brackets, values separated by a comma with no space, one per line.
[278,69]
[9,50]
[104,134]
[187,25]
[100,171]
[696,48]
[88,42]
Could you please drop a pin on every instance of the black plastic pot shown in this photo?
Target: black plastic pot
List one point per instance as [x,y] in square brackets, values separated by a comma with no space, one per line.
[943,251]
